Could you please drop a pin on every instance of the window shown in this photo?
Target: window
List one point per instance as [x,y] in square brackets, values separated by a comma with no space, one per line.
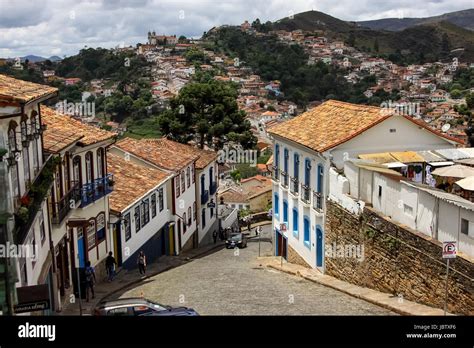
[145,209]
[183,182]
[100,221]
[89,168]
[189,217]
[42,228]
[160,199]
[277,156]
[212,213]
[307,170]
[33,244]
[465,226]
[178,189]
[380,191]
[137,218]
[24,131]
[203,217]
[35,156]
[306,232]
[276,205]
[407,210]
[153,205]
[26,165]
[320,178]
[91,234]
[192,172]
[100,163]
[127,226]
[185,225]
[194,211]
[295,223]
[12,138]
[76,169]
[285,211]
[188,176]
[296,169]
[285,163]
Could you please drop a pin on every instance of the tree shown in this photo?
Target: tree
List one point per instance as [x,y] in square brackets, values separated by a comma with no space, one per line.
[376,45]
[470,100]
[207,113]
[351,39]
[182,39]
[456,94]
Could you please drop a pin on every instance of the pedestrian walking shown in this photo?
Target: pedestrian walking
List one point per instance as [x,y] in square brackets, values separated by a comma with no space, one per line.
[142,263]
[110,266]
[214,235]
[90,280]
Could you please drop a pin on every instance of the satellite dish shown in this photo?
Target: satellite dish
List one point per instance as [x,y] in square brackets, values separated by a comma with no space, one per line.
[446,127]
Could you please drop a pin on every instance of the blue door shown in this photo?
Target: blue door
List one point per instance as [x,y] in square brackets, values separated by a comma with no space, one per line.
[80,249]
[319,247]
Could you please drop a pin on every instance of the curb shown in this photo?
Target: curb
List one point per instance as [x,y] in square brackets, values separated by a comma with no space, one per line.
[359,296]
[136,281]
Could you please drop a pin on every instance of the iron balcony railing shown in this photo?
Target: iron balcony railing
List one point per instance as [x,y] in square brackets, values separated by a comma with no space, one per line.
[213,187]
[284,176]
[305,193]
[317,201]
[71,200]
[276,174]
[96,190]
[294,189]
[204,196]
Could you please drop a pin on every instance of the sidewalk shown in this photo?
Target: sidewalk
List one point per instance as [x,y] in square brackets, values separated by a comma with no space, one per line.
[125,278]
[381,299]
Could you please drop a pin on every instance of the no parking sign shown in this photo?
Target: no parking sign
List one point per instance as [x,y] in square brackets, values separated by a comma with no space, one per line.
[449,250]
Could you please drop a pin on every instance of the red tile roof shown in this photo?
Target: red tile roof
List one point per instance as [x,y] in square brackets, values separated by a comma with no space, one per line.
[333,123]
[22,91]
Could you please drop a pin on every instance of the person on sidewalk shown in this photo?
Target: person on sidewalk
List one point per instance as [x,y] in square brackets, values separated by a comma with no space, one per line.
[110,266]
[214,235]
[142,263]
[90,280]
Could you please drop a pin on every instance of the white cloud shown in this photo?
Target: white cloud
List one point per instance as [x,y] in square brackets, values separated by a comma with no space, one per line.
[52,27]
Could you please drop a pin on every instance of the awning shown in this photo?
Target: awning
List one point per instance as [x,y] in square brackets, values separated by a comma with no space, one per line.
[408,157]
[395,165]
[441,164]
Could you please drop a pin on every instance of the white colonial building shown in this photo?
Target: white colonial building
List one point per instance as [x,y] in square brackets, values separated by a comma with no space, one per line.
[308,146]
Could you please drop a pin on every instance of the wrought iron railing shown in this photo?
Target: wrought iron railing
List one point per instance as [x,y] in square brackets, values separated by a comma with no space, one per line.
[71,200]
[305,193]
[295,184]
[317,201]
[94,191]
[284,176]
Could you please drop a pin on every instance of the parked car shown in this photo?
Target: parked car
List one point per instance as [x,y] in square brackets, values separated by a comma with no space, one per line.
[236,240]
[140,307]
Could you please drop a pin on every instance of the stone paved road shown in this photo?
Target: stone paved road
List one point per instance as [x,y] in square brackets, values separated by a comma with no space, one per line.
[223,283]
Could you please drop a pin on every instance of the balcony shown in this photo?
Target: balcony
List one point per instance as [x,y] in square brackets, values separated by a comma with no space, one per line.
[305,194]
[70,201]
[33,200]
[213,187]
[276,174]
[284,182]
[294,189]
[94,191]
[318,201]
[204,197]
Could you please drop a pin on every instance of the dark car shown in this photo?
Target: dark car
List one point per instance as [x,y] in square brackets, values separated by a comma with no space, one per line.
[236,240]
[140,307]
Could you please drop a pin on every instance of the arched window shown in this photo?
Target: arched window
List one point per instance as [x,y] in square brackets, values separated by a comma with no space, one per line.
[100,163]
[77,170]
[189,216]
[89,168]
[24,131]
[185,224]
[183,183]
[12,144]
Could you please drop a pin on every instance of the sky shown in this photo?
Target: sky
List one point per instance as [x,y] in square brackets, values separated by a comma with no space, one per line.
[63,27]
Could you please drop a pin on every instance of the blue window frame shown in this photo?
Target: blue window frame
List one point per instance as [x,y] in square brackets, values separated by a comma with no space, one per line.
[306,232]
[307,171]
[277,156]
[276,205]
[296,169]
[295,223]
[320,178]
[285,211]
[285,160]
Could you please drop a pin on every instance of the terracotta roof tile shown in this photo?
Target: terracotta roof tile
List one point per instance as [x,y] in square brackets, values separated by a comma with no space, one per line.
[166,153]
[334,122]
[132,181]
[23,91]
[66,126]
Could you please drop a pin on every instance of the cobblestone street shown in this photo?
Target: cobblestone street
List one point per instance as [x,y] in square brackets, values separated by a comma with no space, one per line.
[229,283]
